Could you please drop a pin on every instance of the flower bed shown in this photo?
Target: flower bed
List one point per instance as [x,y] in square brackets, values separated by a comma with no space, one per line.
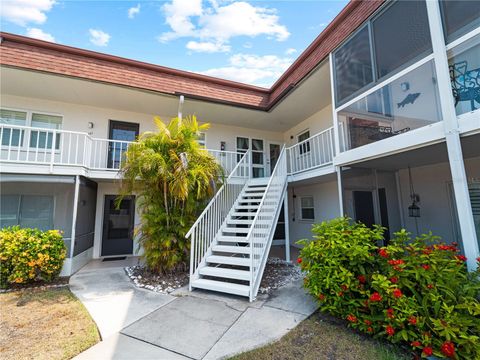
[416,291]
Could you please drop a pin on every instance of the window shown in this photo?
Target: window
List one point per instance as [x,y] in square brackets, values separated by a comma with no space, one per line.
[464,66]
[401,34]
[308,210]
[12,137]
[401,105]
[38,138]
[305,146]
[459,17]
[35,211]
[396,37]
[353,65]
[44,139]
[202,139]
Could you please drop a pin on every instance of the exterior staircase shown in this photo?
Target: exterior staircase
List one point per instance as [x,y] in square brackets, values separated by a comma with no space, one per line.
[232,238]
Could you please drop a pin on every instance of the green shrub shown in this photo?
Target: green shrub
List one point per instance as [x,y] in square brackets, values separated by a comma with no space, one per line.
[29,255]
[416,291]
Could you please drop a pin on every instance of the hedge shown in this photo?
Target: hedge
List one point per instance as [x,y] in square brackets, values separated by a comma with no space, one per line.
[415,291]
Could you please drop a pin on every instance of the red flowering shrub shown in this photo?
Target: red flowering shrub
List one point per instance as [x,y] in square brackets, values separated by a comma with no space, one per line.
[415,290]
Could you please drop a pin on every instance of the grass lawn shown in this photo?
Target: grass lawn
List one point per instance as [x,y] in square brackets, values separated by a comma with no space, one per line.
[44,324]
[324,337]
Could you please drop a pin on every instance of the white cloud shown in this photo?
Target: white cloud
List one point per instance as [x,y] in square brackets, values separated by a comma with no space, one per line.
[23,12]
[218,23]
[252,69]
[290,51]
[178,15]
[133,11]
[39,34]
[208,47]
[99,37]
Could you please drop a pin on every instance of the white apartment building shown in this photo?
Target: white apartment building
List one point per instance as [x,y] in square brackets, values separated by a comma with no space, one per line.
[378,120]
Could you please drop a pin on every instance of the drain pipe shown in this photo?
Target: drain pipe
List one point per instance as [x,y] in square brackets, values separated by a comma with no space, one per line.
[180,106]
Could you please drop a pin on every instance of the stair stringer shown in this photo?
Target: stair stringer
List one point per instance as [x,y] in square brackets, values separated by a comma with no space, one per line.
[254,287]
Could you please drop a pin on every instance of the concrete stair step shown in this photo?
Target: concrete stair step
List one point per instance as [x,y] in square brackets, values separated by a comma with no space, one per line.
[231,249]
[232,239]
[229,288]
[228,260]
[225,273]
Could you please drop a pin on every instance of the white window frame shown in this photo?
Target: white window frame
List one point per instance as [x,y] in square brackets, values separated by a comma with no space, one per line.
[28,126]
[250,147]
[204,141]
[308,148]
[301,208]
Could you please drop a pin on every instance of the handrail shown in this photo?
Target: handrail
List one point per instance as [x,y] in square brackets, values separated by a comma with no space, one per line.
[279,173]
[318,150]
[53,147]
[208,224]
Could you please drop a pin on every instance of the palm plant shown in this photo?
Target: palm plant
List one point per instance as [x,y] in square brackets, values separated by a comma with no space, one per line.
[173,178]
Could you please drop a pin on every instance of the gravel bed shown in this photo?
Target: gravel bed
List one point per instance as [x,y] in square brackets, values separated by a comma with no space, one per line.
[277,273]
[161,283]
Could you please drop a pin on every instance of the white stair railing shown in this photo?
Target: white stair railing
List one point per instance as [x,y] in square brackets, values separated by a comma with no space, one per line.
[203,231]
[263,227]
[316,151]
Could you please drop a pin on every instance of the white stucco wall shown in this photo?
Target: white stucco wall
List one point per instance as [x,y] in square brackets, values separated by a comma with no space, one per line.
[319,121]
[433,184]
[76,118]
[325,198]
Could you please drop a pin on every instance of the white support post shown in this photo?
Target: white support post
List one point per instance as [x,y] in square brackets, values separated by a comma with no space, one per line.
[74,215]
[286,216]
[338,169]
[452,137]
[334,112]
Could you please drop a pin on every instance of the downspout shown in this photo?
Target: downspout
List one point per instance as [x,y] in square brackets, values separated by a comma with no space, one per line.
[180,106]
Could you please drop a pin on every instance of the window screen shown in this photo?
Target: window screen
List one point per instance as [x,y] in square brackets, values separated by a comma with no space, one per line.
[201,139]
[44,139]
[9,206]
[36,212]
[401,34]
[304,147]
[13,137]
[353,65]
[459,17]
[308,211]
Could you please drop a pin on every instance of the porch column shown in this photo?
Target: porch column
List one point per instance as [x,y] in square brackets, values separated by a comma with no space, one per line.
[74,214]
[338,169]
[452,137]
[286,216]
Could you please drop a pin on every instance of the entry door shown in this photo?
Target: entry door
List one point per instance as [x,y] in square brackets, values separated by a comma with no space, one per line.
[122,131]
[364,208]
[258,155]
[273,155]
[118,223]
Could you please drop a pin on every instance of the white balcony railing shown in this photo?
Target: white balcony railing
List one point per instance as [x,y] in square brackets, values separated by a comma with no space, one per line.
[316,151]
[53,147]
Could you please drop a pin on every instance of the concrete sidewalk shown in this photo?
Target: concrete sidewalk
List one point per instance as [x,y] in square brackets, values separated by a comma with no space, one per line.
[139,324]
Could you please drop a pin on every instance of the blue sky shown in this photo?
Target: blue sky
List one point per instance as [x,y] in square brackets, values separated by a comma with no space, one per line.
[246,41]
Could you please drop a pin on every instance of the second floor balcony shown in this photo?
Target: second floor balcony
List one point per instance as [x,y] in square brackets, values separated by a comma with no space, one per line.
[34,150]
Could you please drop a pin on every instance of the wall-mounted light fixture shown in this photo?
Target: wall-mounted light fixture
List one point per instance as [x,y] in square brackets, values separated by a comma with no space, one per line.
[413,210]
[90,125]
[405,86]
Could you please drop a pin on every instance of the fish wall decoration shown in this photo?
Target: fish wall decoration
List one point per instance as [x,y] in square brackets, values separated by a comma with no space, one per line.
[409,99]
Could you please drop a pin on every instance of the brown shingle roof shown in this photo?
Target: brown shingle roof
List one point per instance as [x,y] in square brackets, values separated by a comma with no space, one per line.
[27,53]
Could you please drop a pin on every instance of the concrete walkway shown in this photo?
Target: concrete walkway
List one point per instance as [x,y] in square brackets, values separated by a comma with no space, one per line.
[139,324]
